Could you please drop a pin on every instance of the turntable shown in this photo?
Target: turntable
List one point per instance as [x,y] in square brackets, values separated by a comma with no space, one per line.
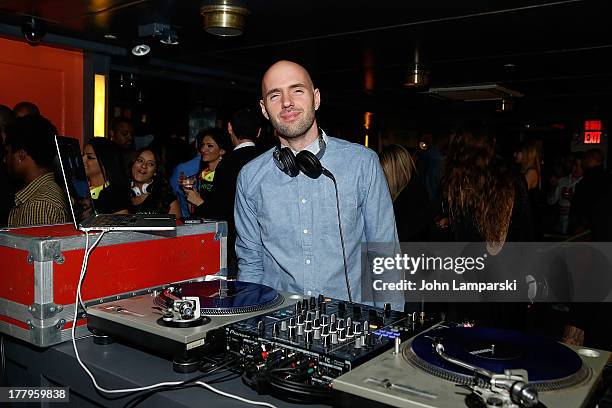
[452,366]
[185,320]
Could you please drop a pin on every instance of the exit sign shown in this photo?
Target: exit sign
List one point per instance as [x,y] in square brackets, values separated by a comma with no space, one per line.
[592,131]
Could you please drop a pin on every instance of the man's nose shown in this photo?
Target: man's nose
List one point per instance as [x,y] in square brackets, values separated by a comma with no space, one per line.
[287,101]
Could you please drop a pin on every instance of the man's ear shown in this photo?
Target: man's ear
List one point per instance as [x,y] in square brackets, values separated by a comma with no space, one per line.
[317,98]
[263,109]
[22,155]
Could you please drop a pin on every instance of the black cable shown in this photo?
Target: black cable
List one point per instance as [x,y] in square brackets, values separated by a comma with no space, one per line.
[346,277]
[185,384]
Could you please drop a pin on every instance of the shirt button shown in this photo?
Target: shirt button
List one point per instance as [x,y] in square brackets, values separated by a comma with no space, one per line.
[305,231]
[303,201]
[307,261]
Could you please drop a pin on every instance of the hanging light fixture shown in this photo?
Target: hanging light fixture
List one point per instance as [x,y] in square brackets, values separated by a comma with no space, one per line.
[224,19]
[417,76]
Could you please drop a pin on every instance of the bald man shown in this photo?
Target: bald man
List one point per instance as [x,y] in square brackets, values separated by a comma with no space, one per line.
[287,221]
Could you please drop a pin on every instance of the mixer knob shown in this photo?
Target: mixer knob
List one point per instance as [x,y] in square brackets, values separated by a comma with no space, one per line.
[297,308]
[332,328]
[387,310]
[349,332]
[357,343]
[349,322]
[326,340]
[261,328]
[366,326]
[275,330]
[341,336]
[357,329]
[308,317]
[356,310]
[334,338]
[283,326]
[324,319]
[313,303]
[317,314]
[340,324]
[332,318]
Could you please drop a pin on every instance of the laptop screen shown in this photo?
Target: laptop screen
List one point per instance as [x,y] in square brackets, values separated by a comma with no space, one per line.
[75,180]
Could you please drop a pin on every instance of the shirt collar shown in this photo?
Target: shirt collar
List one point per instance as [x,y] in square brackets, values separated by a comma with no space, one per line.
[314,146]
[244,144]
[32,189]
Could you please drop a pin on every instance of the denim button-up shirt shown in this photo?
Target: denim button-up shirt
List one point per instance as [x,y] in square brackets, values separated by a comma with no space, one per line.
[288,236]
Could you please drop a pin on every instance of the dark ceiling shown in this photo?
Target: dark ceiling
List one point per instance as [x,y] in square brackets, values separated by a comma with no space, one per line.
[359,51]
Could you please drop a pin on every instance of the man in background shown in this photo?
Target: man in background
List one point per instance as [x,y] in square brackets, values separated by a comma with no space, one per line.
[244,128]
[7,198]
[25,108]
[121,132]
[29,156]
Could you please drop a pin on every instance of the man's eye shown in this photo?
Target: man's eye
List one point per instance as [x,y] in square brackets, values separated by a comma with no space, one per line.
[299,91]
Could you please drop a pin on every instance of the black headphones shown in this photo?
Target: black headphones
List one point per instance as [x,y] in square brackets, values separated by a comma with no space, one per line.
[304,161]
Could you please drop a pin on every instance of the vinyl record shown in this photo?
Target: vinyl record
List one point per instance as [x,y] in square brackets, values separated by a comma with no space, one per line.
[550,365]
[230,297]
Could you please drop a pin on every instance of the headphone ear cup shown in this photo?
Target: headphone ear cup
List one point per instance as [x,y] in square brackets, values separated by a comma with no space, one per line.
[287,162]
[146,187]
[309,164]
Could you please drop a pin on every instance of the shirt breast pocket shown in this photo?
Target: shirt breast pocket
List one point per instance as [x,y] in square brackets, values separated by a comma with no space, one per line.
[349,212]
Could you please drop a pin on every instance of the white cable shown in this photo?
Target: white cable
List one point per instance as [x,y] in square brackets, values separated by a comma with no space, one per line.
[149,387]
[227,394]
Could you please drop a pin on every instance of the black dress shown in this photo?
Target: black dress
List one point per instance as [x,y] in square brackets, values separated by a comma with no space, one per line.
[464,229]
[413,215]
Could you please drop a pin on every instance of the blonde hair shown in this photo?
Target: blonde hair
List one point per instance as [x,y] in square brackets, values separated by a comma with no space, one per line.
[398,168]
[531,160]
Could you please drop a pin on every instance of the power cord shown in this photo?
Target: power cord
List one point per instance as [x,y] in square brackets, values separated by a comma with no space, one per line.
[78,300]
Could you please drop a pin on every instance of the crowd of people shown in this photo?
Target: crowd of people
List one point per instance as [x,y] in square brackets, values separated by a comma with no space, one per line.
[299,213]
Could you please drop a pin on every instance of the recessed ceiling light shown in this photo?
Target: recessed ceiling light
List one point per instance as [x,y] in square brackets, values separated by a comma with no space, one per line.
[110,36]
[509,65]
[141,50]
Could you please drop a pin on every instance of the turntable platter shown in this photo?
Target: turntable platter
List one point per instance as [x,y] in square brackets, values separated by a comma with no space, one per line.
[550,365]
[230,297]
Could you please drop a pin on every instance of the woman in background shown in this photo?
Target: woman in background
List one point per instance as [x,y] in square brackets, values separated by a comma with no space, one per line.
[108,184]
[215,144]
[410,200]
[487,204]
[151,192]
[528,158]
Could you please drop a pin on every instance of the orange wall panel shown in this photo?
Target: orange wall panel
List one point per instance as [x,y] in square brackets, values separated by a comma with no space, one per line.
[52,78]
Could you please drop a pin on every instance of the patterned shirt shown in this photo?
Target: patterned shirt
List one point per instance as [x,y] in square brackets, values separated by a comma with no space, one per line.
[40,202]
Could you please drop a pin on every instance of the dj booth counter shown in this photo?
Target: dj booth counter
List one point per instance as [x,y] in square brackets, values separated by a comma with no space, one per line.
[40,269]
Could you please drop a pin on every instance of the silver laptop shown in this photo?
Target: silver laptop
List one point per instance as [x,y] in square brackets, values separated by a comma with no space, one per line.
[82,207]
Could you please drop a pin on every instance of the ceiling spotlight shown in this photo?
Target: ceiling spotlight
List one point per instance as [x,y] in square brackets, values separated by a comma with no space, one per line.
[140,50]
[33,30]
[169,37]
[224,19]
[110,36]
